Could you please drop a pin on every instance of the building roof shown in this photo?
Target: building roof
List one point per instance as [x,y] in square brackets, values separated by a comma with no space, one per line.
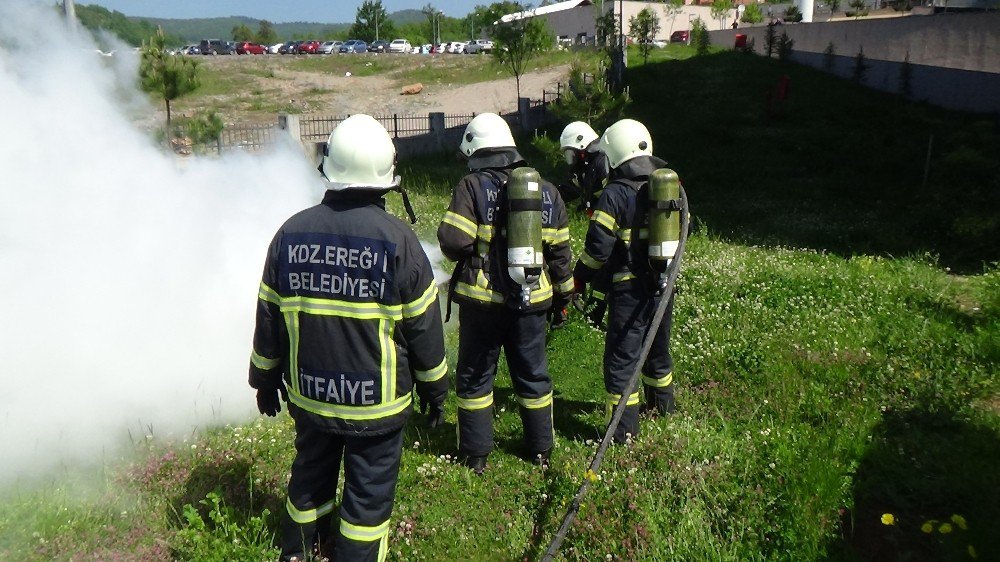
[542,10]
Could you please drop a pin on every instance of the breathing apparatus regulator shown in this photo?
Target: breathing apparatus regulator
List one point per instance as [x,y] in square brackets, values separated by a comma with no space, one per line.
[359,155]
[524,230]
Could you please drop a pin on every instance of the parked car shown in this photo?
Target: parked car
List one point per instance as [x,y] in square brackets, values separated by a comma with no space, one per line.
[656,43]
[400,46]
[215,47]
[441,48]
[680,36]
[309,48]
[426,49]
[479,46]
[189,50]
[273,49]
[354,46]
[378,46]
[456,47]
[330,47]
[290,48]
[248,48]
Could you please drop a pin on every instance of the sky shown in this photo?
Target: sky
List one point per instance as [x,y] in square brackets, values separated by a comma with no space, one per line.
[322,11]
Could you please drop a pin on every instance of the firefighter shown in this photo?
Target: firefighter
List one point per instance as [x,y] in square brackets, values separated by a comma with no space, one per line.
[499,306]
[588,172]
[619,216]
[347,324]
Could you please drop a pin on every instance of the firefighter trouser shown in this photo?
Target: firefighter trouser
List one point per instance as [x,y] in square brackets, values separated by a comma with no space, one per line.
[482,332]
[371,467]
[630,310]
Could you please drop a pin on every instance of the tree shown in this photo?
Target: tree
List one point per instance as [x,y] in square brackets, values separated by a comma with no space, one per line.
[833,5]
[699,37]
[770,39]
[720,11]
[242,33]
[266,34]
[859,9]
[752,14]
[517,41]
[672,9]
[643,27]
[591,101]
[607,29]
[168,76]
[372,22]
[433,15]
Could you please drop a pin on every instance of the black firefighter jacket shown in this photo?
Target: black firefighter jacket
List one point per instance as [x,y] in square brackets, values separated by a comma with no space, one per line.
[475,218]
[611,225]
[348,317]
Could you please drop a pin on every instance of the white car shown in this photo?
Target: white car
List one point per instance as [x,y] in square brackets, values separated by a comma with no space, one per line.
[479,46]
[456,46]
[442,48]
[273,49]
[330,47]
[399,46]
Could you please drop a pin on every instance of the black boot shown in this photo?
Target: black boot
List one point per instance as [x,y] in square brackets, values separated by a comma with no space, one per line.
[541,458]
[477,464]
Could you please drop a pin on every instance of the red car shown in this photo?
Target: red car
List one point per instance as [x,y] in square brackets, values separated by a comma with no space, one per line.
[309,47]
[248,48]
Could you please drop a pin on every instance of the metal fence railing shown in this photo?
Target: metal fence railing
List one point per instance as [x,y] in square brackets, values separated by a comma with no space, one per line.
[247,136]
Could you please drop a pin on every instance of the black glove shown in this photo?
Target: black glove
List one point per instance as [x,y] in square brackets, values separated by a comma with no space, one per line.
[594,309]
[558,313]
[434,412]
[269,400]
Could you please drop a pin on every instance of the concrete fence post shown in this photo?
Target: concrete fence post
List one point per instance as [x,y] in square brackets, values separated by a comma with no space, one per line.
[523,113]
[436,125]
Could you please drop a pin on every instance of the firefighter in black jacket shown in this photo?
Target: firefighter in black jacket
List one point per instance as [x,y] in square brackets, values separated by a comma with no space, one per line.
[347,323]
[618,214]
[588,172]
[495,310]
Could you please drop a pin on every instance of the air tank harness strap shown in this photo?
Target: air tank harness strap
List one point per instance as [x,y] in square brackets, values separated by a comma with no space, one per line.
[669,205]
[407,206]
[516,205]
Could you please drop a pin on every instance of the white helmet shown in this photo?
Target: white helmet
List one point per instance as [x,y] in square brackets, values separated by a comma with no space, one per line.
[577,135]
[360,153]
[486,130]
[625,140]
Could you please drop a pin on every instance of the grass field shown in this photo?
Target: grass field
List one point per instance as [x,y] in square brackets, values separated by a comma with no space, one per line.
[836,342]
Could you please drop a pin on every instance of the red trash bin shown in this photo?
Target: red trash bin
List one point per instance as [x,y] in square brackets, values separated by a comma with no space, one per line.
[741,41]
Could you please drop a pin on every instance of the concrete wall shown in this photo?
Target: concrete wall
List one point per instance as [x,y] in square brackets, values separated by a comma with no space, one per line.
[954,58]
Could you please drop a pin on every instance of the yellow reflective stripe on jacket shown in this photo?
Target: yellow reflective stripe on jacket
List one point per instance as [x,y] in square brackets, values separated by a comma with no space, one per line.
[341,308]
[268,294]
[362,532]
[348,412]
[308,515]
[478,293]
[460,222]
[476,403]
[626,235]
[662,382]
[543,292]
[484,232]
[261,362]
[535,403]
[433,374]
[590,261]
[387,350]
[555,235]
[605,220]
[566,286]
[292,325]
[419,305]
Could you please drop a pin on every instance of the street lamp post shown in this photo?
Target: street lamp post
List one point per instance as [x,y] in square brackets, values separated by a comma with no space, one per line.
[691,18]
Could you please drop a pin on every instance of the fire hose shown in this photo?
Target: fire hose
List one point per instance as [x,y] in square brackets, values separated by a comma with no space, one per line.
[666,292]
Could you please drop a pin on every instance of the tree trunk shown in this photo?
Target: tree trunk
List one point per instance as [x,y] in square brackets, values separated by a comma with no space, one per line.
[168,115]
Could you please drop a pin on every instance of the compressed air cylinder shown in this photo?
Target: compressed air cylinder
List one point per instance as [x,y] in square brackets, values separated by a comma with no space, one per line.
[664,219]
[524,226]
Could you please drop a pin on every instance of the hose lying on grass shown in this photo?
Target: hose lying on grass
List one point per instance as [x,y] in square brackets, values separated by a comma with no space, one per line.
[647,343]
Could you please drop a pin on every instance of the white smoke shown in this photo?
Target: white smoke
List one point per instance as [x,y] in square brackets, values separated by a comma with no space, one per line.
[128,277]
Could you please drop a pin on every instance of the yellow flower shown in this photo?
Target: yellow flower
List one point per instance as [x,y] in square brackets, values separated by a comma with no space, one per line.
[960,521]
[945,528]
[972,551]
[590,475]
[927,527]
[888,519]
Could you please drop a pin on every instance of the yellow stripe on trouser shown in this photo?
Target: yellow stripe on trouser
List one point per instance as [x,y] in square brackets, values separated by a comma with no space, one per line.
[662,382]
[534,403]
[362,533]
[308,515]
[633,400]
[476,403]
[292,324]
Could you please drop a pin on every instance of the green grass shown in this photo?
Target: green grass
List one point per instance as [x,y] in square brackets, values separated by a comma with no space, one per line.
[830,368]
